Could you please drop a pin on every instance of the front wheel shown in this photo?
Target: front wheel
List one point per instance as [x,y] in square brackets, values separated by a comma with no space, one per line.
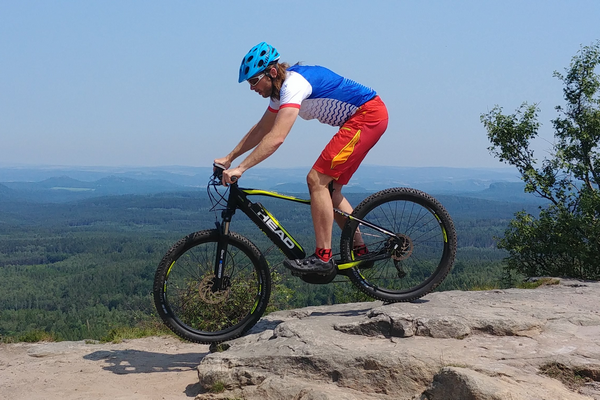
[190,302]
[415,254]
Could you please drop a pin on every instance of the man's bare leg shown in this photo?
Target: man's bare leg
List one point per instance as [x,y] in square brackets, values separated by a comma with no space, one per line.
[341,203]
[321,207]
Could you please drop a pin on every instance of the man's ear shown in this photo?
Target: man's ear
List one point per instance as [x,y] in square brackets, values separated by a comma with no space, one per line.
[273,72]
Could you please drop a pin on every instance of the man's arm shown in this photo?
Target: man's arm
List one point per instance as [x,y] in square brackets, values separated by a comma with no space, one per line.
[251,139]
[282,125]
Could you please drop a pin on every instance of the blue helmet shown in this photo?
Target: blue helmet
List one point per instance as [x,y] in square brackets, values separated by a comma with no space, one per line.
[257,60]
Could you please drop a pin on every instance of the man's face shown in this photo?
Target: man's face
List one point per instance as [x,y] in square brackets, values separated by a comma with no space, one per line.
[262,83]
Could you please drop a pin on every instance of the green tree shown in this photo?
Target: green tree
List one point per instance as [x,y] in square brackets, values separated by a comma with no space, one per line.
[564,239]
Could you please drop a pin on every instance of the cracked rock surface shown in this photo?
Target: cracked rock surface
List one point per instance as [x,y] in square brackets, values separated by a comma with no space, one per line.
[454,345]
[449,346]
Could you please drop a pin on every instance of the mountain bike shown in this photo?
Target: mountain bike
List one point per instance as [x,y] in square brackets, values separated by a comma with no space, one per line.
[214,285]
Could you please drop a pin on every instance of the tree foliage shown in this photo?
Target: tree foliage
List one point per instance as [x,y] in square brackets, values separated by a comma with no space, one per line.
[564,239]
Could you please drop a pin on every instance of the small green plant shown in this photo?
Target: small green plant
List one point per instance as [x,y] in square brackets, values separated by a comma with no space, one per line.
[218,347]
[6,339]
[217,387]
[538,282]
[37,336]
[143,329]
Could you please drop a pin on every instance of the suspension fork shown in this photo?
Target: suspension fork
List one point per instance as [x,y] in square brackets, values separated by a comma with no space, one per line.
[221,257]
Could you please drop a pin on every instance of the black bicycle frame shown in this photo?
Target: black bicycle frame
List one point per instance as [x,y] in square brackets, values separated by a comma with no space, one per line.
[238,199]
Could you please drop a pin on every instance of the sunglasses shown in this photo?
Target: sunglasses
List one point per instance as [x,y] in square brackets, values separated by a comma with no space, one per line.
[255,79]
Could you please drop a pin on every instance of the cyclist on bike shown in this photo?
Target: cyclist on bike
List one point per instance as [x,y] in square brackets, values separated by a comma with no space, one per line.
[310,92]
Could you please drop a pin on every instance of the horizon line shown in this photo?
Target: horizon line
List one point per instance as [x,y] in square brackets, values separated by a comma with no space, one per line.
[307,167]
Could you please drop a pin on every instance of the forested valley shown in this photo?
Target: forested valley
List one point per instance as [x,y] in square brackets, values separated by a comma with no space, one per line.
[81,269]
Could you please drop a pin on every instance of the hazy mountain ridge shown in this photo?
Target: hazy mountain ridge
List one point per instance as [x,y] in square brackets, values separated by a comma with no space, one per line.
[63,184]
[64,188]
[8,195]
[5,190]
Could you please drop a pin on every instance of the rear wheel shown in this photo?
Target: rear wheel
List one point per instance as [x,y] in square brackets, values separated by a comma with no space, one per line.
[187,299]
[415,259]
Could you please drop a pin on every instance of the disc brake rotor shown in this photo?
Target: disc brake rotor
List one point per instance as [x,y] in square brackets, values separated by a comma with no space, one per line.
[210,296]
[402,247]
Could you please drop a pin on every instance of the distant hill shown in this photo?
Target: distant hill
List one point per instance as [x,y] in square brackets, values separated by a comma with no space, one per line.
[63,188]
[184,176]
[7,194]
[4,190]
[121,185]
[371,177]
[507,191]
[63,184]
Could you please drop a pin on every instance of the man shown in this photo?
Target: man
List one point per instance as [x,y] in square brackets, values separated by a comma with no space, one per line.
[310,92]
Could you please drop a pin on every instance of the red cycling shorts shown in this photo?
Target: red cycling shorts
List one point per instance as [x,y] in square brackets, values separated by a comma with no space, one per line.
[349,146]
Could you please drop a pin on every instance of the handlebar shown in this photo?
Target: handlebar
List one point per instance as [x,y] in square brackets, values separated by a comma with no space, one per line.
[218,172]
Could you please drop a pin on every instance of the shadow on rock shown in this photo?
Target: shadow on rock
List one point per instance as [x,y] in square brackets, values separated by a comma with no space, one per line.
[141,362]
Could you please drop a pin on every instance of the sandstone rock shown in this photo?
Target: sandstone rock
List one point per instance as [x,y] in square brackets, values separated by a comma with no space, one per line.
[448,346]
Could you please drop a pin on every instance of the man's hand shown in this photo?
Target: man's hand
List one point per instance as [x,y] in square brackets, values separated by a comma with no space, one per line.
[228,177]
[223,161]
[232,175]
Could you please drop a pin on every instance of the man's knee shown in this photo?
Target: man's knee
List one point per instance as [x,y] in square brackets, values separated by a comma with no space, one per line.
[316,180]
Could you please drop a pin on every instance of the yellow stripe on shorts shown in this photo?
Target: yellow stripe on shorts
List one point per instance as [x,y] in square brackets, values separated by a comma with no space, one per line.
[346,152]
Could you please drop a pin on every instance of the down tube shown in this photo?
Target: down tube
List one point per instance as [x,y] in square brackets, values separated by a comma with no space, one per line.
[274,231]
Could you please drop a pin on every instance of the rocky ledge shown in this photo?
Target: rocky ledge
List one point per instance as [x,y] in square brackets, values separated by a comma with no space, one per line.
[515,344]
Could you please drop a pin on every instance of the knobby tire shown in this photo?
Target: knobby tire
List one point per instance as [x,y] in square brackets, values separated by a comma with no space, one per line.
[413,262]
[188,303]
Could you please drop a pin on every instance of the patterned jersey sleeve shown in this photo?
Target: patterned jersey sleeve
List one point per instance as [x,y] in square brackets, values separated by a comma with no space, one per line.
[294,91]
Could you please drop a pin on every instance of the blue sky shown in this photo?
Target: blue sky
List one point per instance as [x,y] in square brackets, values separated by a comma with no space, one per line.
[154,83]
